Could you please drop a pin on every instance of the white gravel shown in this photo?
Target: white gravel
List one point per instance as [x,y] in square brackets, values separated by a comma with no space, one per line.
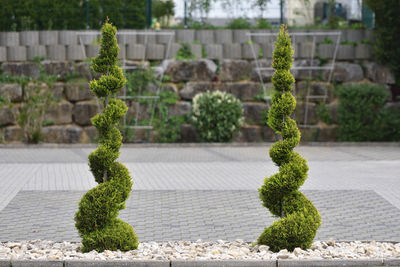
[199,250]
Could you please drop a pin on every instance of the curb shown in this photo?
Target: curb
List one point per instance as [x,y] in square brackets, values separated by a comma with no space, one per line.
[201,145]
[201,263]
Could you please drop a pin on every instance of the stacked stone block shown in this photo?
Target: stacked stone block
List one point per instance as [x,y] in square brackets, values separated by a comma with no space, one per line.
[218,44]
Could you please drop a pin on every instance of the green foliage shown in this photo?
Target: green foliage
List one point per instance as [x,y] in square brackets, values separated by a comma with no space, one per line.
[387,33]
[167,128]
[138,80]
[263,24]
[21,80]
[348,43]
[37,98]
[168,131]
[239,23]
[71,14]
[163,10]
[203,51]
[333,19]
[327,41]
[96,219]
[362,115]
[30,115]
[366,41]
[299,218]
[185,52]
[323,113]
[217,116]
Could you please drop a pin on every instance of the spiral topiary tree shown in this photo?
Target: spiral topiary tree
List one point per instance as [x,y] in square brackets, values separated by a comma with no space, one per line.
[299,218]
[96,219]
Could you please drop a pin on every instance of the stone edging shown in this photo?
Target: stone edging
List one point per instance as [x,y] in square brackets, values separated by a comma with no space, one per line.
[199,263]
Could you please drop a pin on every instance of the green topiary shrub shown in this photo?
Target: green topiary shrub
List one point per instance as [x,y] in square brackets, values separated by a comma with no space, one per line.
[299,218]
[217,116]
[96,219]
[362,115]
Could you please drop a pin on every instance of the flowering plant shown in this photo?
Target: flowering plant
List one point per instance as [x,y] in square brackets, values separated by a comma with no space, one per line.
[217,116]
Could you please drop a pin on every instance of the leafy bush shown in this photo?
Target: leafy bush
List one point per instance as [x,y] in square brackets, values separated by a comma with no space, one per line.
[263,24]
[323,113]
[239,23]
[185,52]
[299,218]
[96,219]
[168,127]
[362,115]
[138,80]
[217,116]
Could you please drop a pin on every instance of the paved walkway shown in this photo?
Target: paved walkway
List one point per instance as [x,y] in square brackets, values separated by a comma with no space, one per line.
[187,193]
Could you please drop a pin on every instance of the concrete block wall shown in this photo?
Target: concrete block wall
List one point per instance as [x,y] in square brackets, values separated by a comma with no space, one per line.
[21,46]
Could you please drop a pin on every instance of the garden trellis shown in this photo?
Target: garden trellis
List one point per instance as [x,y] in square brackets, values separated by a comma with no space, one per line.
[295,69]
[140,97]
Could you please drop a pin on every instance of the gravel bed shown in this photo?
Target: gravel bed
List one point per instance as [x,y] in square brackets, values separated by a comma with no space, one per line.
[199,250]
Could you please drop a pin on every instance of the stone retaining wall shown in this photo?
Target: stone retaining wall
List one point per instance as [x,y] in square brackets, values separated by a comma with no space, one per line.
[212,44]
[69,118]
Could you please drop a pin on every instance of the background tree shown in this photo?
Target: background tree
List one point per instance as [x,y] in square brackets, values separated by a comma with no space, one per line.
[163,11]
[387,33]
[299,218]
[96,219]
[71,14]
[261,5]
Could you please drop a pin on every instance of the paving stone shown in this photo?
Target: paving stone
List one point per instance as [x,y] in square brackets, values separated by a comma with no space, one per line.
[211,209]
[210,185]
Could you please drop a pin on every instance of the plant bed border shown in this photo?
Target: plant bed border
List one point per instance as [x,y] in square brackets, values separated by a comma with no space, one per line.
[200,263]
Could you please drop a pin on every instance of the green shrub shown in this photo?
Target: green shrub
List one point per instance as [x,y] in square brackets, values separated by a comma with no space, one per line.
[299,218]
[323,113]
[263,24]
[217,116]
[362,116]
[96,219]
[185,52]
[239,23]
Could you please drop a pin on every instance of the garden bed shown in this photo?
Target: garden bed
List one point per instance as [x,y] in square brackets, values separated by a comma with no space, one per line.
[200,251]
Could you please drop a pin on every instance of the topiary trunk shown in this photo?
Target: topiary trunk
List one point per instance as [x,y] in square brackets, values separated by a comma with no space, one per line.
[96,219]
[299,218]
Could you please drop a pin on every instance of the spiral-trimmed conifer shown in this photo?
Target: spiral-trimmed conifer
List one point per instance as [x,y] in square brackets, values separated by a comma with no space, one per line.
[96,219]
[299,217]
